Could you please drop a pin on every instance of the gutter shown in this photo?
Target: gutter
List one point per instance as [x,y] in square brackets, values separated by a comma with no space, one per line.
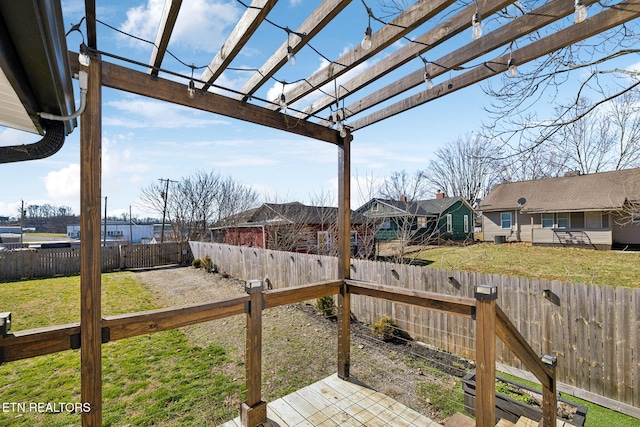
[47,146]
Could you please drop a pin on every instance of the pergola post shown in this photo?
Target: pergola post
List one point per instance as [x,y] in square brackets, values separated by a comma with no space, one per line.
[344,255]
[486,297]
[90,251]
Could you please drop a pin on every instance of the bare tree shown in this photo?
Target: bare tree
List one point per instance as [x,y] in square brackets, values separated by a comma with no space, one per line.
[468,167]
[565,78]
[196,201]
[401,184]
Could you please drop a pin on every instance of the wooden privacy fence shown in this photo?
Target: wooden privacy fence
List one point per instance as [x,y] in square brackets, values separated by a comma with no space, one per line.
[594,331]
[31,263]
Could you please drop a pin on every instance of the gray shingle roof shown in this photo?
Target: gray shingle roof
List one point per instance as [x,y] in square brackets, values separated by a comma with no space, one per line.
[598,191]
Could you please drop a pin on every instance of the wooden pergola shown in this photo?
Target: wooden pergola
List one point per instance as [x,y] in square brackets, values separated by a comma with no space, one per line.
[320,121]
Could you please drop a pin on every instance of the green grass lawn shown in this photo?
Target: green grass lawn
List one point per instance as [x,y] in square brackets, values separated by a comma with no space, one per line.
[158,379]
[567,264]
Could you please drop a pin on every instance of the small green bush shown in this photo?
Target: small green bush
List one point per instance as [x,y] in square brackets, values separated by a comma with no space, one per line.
[207,264]
[326,305]
[385,329]
[196,263]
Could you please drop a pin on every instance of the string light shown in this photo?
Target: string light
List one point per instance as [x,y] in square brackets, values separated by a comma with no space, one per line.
[191,88]
[366,40]
[291,57]
[283,100]
[427,76]
[476,26]
[580,13]
[513,69]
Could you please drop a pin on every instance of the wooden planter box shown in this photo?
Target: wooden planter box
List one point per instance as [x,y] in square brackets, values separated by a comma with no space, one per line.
[511,409]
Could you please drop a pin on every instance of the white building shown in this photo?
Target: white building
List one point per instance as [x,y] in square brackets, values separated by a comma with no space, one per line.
[118,231]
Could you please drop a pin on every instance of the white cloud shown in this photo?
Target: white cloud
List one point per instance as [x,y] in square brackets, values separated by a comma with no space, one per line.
[201,24]
[135,112]
[64,185]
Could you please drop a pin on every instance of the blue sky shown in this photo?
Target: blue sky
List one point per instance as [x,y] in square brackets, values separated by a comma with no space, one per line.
[146,140]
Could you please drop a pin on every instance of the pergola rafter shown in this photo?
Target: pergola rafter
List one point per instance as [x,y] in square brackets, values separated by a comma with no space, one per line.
[607,19]
[167,22]
[320,17]
[412,18]
[422,44]
[248,24]
[502,36]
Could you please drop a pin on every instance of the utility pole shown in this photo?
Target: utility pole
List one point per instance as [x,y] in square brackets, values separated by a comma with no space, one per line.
[21,221]
[165,196]
[104,239]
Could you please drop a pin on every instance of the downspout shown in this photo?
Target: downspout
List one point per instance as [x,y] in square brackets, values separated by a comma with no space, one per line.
[54,133]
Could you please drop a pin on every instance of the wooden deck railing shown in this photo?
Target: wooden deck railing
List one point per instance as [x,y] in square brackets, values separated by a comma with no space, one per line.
[490,322]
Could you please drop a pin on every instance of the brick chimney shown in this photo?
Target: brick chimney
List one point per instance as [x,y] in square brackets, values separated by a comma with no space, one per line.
[439,195]
[403,198]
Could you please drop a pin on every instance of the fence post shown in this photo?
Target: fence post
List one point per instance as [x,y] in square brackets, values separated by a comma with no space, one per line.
[253,411]
[486,297]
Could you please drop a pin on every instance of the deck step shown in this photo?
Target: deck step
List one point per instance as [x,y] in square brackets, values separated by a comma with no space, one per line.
[460,420]
[505,423]
[526,422]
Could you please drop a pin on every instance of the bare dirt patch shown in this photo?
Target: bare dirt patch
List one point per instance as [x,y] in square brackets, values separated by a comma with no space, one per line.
[300,346]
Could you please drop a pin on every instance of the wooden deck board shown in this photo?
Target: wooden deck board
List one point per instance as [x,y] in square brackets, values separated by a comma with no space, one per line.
[333,402]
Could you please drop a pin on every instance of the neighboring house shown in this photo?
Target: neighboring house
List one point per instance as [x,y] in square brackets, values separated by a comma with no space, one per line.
[118,231]
[593,210]
[449,218]
[292,227]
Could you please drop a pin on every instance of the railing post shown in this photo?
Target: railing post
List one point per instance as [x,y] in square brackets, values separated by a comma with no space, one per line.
[253,411]
[485,355]
[549,398]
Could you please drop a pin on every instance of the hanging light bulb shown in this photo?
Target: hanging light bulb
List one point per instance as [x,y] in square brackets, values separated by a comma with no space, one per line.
[512,68]
[191,88]
[580,13]
[283,102]
[343,132]
[427,80]
[291,57]
[366,40]
[476,26]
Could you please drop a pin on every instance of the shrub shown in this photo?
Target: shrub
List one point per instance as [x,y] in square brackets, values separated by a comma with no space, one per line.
[196,263]
[207,264]
[326,305]
[385,329]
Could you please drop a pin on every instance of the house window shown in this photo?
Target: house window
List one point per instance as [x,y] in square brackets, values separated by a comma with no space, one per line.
[374,208]
[547,220]
[354,238]
[323,241]
[563,220]
[593,219]
[505,220]
[635,217]
[466,223]
[449,223]
[385,224]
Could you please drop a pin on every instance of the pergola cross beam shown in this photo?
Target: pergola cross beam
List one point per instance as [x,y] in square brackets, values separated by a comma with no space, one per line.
[605,20]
